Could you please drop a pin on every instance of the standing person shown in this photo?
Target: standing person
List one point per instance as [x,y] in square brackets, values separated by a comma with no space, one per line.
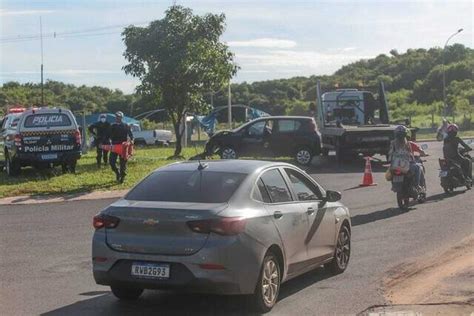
[119,133]
[101,132]
[451,151]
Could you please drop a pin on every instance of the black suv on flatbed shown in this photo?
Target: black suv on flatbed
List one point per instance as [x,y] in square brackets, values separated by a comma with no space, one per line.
[272,136]
[41,138]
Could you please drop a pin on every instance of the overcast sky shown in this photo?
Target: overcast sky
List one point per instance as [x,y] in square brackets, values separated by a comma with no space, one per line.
[271,39]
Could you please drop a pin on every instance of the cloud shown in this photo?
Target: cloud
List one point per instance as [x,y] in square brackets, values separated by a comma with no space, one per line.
[293,58]
[348,49]
[264,43]
[24,12]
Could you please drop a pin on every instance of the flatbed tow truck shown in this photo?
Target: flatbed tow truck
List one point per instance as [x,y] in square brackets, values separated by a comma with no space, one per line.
[353,122]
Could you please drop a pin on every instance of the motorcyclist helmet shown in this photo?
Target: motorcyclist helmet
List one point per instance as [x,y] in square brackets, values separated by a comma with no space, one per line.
[119,114]
[400,132]
[103,117]
[452,130]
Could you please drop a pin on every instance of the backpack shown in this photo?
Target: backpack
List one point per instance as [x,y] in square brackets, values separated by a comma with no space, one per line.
[400,159]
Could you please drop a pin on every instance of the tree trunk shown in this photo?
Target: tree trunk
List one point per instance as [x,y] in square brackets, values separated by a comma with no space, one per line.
[177,131]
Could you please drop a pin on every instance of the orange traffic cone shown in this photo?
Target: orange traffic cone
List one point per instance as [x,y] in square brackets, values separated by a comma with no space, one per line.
[368,179]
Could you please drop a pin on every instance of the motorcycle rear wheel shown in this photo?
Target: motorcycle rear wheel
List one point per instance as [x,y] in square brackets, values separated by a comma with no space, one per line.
[403,201]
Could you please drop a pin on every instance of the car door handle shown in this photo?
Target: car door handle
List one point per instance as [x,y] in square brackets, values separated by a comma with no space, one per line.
[310,211]
[277,214]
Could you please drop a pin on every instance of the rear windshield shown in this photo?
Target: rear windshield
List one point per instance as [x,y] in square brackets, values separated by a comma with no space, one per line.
[187,186]
[47,120]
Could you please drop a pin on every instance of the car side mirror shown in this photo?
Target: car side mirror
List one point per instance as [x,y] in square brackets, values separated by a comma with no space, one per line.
[333,196]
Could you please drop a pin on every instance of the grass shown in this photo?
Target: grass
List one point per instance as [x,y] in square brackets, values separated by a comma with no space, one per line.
[88,177]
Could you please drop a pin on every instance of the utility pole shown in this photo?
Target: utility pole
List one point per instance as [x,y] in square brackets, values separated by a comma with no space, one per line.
[41,41]
[229,108]
[444,72]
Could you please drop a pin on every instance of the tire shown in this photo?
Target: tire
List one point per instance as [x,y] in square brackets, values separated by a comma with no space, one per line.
[403,201]
[126,294]
[228,153]
[303,156]
[268,284]
[339,154]
[421,198]
[12,167]
[72,166]
[342,252]
[448,190]
[139,143]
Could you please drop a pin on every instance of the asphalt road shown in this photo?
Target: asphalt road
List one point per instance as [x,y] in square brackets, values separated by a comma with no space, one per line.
[45,264]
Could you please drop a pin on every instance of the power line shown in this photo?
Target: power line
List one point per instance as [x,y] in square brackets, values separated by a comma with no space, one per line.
[66,34]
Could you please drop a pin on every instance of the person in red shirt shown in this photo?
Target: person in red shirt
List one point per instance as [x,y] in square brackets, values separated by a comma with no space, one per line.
[418,152]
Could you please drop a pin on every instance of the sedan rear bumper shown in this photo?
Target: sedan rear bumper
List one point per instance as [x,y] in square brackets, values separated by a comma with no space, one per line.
[234,267]
[181,279]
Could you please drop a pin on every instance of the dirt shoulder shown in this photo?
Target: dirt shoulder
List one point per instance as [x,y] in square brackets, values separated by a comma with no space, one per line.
[447,277]
[442,284]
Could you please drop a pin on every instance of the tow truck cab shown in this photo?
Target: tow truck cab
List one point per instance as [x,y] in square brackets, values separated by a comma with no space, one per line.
[41,138]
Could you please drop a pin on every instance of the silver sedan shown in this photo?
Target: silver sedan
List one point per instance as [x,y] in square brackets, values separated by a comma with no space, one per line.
[221,227]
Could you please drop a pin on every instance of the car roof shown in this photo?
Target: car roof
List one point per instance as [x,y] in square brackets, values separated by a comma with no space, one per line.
[225,165]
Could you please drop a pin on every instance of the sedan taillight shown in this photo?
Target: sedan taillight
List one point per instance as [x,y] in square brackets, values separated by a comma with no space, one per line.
[107,221]
[226,226]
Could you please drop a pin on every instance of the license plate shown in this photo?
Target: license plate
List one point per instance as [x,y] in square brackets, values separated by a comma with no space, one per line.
[49,156]
[443,174]
[398,179]
[150,270]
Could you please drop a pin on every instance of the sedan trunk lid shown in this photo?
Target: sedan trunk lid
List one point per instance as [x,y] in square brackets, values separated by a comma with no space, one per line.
[159,227]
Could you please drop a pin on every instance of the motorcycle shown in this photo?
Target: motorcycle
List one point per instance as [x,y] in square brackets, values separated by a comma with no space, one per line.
[451,175]
[403,183]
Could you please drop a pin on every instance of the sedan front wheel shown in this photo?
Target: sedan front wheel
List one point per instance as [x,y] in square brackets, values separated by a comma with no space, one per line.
[342,252]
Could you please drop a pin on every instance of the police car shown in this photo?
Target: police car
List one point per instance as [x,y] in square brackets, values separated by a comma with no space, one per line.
[41,138]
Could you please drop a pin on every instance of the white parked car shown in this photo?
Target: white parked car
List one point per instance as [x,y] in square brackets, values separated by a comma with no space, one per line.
[151,137]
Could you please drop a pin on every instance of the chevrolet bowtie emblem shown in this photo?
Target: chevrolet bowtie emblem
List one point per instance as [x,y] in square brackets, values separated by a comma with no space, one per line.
[151,222]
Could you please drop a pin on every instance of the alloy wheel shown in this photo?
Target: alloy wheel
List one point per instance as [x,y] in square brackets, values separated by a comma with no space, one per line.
[229,153]
[270,282]
[343,248]
[303,157]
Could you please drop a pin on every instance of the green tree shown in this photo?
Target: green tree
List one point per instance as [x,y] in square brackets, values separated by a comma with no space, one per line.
[179,59]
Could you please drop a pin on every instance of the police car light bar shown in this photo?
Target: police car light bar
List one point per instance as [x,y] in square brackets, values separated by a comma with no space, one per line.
[16,110]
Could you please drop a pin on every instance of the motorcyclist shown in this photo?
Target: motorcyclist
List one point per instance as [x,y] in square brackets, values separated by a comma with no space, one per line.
[452,154]
[401,148]
[418,152]
[119,133]
[101,132]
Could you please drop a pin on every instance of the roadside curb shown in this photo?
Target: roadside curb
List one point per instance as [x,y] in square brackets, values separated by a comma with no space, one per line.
[40,199]
[451,308]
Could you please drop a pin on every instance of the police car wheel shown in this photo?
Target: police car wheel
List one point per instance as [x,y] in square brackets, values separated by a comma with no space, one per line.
[12,167]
